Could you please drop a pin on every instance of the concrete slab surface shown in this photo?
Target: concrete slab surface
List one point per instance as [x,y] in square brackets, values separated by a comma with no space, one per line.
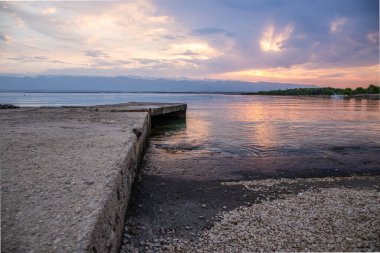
[66,175]
[155,109]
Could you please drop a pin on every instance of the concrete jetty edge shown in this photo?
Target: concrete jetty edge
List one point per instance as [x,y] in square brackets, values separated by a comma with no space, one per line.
[67,174]
[107,232]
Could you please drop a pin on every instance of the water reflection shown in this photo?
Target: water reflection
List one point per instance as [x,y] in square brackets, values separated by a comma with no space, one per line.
[164,126]
[247,125]
[372,105]
[181,135]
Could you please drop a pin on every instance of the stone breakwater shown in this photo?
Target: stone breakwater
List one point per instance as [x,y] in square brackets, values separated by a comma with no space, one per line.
[67,174]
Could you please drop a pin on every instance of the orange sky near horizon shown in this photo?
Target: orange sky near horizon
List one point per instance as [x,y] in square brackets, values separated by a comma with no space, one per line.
[336,44]
[352,77]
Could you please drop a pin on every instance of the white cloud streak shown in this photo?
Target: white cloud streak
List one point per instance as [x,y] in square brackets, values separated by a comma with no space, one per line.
[274,41]
[48,11]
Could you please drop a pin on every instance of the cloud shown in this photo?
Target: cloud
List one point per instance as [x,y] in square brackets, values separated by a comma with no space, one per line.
[146,61]
[170,37]
[373,37]
[211,31]
[337,24]
[185,38]
[343,76]
[48,11]
[95,54]
[333,75]
[35,59]
[159,64]
[202,49]
[272,41]
[188,52]
[5,38]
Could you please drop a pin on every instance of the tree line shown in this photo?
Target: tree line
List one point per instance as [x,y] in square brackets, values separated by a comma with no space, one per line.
[371,89]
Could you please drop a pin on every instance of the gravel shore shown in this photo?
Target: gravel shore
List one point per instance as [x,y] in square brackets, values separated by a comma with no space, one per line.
[329,220]
[316,219]
[213,202]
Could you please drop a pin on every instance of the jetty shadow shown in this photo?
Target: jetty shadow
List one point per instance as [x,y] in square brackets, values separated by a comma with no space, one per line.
[168,124]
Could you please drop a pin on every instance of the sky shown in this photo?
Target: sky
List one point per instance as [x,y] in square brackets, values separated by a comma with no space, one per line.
[322,42]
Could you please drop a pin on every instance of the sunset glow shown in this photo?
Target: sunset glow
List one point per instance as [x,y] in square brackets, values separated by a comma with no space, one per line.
[324,43]
[338,77]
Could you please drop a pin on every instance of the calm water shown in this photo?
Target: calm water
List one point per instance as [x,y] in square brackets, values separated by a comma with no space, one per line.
[238,125]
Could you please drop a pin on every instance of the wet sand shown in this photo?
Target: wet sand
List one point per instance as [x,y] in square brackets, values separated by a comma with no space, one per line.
[183,194]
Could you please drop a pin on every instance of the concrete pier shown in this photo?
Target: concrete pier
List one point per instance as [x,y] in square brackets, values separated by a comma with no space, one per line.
[67,173]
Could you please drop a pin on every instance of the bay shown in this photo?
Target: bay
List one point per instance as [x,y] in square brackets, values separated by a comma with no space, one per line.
[243,125]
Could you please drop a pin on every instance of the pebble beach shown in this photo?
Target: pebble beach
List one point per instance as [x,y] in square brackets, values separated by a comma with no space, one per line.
[319,218]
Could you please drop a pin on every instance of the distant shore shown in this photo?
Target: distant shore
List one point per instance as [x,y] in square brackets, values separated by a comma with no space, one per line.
[372,91]
[265,93]
[8,106]
[368,96]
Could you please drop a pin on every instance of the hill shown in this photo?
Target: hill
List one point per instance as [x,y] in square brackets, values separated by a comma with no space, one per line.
[130,84]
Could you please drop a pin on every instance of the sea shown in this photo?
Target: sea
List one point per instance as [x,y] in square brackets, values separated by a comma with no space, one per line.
[247,125]
[250,126]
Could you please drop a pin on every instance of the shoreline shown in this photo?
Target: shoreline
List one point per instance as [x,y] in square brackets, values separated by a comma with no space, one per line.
[299,222]
[178,209]
[224,231]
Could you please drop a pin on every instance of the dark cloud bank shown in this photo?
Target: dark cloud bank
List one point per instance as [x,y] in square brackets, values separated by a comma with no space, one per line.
[311,40]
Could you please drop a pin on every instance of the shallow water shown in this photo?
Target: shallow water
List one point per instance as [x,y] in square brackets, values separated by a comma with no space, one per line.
[238,125]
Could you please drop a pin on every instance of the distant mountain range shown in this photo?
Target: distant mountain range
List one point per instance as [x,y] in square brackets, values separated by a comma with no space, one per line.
[132,84]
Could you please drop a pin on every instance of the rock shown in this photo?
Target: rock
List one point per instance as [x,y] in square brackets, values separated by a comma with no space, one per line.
[89,182]
[8,106]
[137,131]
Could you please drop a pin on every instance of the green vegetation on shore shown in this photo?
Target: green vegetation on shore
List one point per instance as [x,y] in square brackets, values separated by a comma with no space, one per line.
[372,89]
